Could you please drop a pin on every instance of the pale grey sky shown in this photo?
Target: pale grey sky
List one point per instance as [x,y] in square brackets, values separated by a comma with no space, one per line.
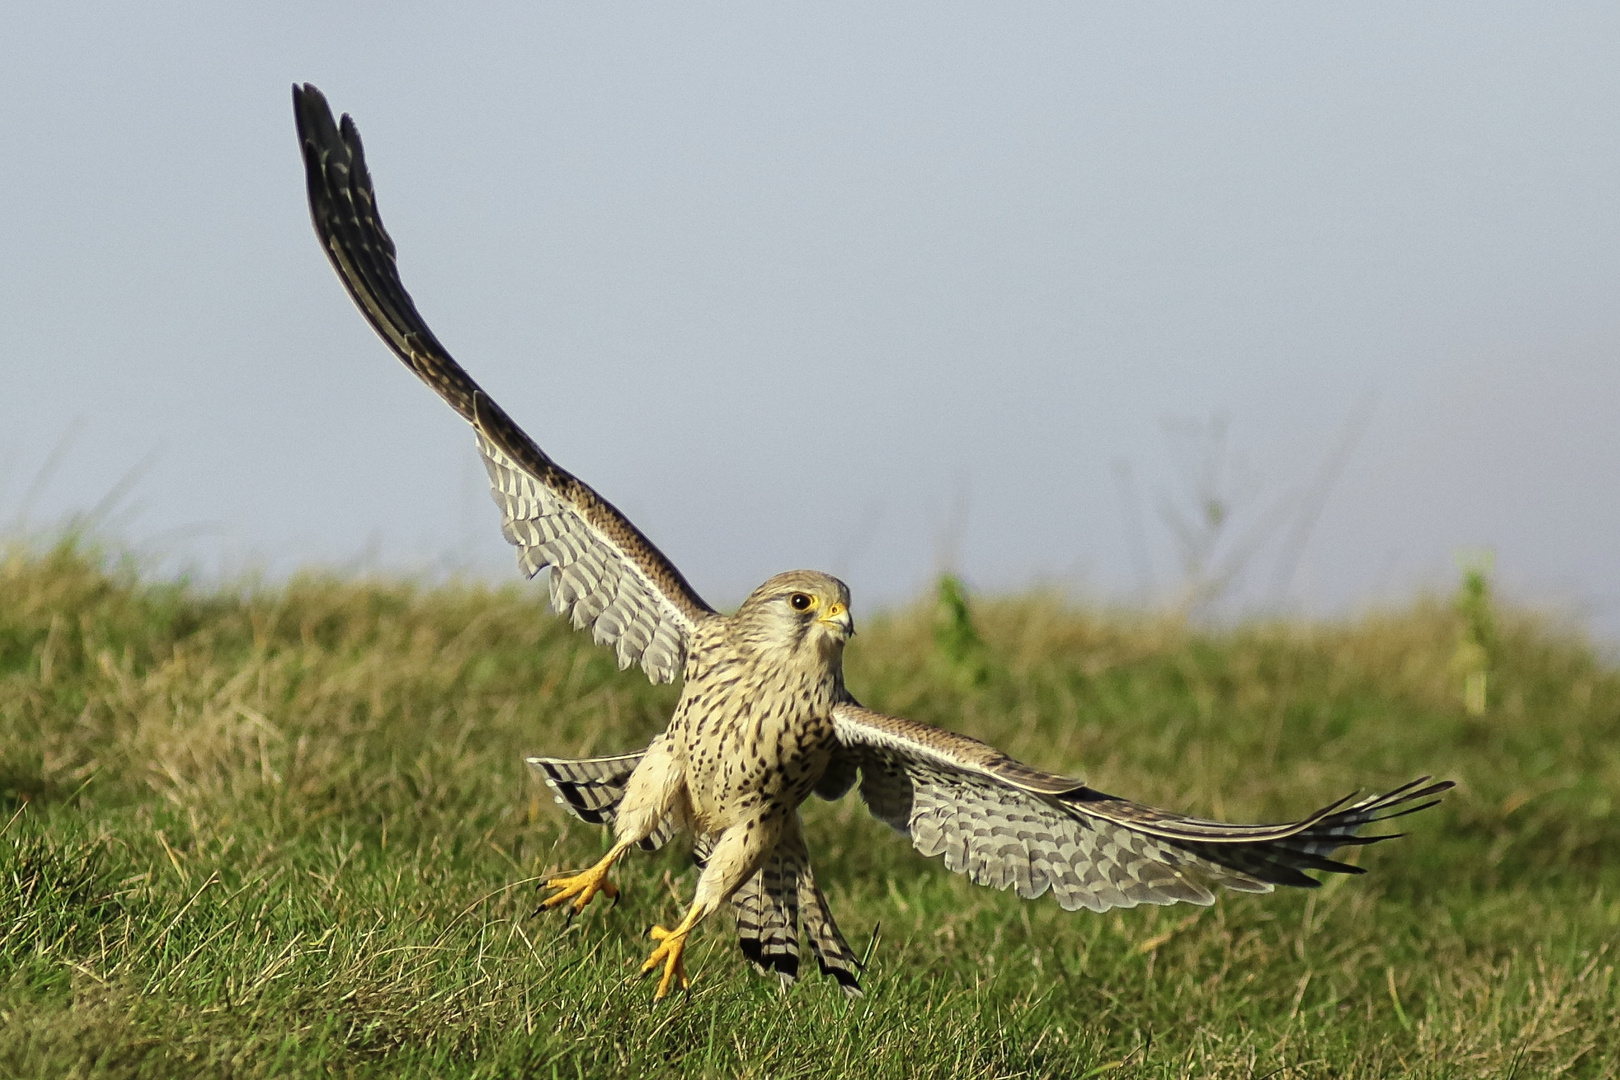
[861,287]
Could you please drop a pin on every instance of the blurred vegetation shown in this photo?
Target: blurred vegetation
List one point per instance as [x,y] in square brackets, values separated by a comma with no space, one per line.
[1476,637]
[287,831]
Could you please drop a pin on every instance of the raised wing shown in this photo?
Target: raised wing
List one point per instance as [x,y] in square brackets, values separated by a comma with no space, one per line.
[604,573]
[1007,825]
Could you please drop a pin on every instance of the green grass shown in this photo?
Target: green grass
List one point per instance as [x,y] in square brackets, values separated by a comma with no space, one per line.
[288,832]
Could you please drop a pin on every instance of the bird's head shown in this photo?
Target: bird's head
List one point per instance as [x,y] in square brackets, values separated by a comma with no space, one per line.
[798,608]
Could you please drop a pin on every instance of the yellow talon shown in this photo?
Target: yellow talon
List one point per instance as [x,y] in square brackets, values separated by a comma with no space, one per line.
[671,944]
[581,887]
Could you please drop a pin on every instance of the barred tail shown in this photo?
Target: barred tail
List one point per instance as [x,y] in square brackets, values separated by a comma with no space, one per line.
[768,907]
[590,789]
[833,953]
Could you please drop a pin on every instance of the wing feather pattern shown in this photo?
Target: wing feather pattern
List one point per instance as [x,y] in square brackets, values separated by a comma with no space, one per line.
[605,574]
[1009,826]
[590,789]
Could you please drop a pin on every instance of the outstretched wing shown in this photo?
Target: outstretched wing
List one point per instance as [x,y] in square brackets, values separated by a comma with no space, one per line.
[604,573]
[1007,825]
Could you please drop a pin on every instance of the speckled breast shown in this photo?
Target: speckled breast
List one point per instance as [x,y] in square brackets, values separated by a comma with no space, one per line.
[755,739]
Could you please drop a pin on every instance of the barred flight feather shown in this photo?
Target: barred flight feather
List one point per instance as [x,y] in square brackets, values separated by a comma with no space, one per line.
[1008,826]
[590,789]
[552,517]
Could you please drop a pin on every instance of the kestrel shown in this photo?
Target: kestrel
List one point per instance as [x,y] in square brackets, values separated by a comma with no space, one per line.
[764,720]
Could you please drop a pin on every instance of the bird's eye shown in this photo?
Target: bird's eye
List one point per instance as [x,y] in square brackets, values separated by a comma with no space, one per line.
[801,601]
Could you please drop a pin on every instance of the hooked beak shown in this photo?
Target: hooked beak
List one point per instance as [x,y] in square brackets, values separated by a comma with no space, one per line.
[838,616]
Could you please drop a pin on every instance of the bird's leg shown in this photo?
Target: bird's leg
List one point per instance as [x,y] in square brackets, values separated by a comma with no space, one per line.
[671,946]
[733,860]
[581,887]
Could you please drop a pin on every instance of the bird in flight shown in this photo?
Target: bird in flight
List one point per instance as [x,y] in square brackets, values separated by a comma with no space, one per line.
[764,720]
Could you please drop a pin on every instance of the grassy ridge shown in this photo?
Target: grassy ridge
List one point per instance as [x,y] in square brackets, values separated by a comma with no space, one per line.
[289,833]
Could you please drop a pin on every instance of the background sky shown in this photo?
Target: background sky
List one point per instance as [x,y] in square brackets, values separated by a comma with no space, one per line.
[871,288]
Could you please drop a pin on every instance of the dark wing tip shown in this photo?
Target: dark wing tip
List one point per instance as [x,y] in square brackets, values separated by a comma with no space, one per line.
[311,112]
[1331,808]
[1322,863]
[1404,799]
[1420,788]
[1382,807]
[1404,812]
[350,132]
